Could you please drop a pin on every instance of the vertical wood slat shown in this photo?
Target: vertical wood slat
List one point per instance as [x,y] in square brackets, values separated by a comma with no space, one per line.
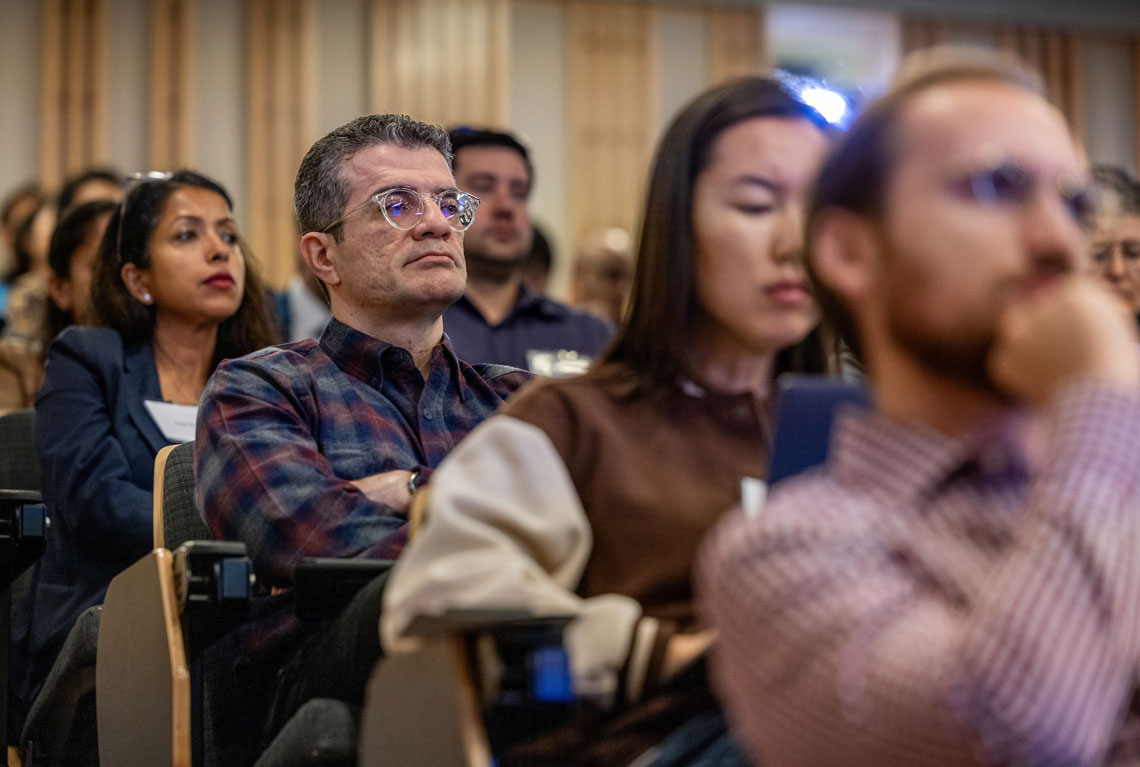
[281,135]
[171,83]
[1136,99]
[734,43]
[440,61]
[281,66]
[51,166]
[1074,108]
[612,82]
[160,71]
[98,82]
[75,34]
[259,124]
[74,87]
[186,84]
[1055,53]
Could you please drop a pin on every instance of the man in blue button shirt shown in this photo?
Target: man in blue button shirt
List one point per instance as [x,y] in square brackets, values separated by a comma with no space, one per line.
[499,319]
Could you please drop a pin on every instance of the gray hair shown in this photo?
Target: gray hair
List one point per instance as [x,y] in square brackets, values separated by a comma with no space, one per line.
[320,192]
[1117,191]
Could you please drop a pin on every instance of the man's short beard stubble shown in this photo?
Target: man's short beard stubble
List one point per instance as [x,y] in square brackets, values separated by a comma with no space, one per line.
[493,268]
[960,354]
[963,360]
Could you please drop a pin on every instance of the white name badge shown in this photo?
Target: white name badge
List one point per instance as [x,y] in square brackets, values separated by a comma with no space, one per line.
[176,422]
[753,493]
[561,363]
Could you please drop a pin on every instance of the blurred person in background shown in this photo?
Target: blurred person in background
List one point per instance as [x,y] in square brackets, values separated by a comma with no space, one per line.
[499,319]
[957,585]
[539,264]
[18,206]
[303,308]
[172,294]
[603,273]
[28,297]
[92,184]
[1116,240]
[71,256]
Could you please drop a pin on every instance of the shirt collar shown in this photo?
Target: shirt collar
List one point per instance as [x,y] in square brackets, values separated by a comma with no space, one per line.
[364,357]
[526,302]
[908,463]
[529,301]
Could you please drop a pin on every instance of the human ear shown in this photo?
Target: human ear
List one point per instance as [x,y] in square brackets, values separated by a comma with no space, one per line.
[318,250]
[58,289]
[137,282]
[843,254]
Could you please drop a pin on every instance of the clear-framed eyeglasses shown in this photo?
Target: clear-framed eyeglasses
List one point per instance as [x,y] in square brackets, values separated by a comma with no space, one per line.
[130,183]
[403,208]
[1001,181]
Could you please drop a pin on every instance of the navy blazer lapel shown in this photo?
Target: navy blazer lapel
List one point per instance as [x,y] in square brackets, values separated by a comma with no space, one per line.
[140,383]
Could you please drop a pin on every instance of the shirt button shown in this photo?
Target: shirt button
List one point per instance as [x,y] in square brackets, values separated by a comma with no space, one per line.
[427,415]
[375,382]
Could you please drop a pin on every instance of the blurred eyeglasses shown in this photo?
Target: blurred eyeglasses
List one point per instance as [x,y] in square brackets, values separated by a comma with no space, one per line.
[1006,182]
[131,183]
[1129,252]
[403,208]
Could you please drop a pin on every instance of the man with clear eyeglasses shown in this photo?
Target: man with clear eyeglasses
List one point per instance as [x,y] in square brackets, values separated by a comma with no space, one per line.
[1116,242]
[958,584]
[315,448]
[499,319]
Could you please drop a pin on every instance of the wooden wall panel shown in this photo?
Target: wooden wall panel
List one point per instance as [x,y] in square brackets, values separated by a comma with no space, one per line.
[171,84]
[734,43]
[1136,96]
[612,87]
[440,61]
[74,87]
[1055,53]
[281,68]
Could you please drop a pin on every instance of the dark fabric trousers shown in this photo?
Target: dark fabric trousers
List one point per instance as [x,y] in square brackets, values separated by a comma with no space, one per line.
[703,741]
[334,661]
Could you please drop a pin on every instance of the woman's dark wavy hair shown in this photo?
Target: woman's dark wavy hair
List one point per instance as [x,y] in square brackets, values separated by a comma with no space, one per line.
[249,329]
[650,350]
[70,233]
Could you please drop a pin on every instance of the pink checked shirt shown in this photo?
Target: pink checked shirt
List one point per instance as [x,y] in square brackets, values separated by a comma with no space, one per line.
[931,601]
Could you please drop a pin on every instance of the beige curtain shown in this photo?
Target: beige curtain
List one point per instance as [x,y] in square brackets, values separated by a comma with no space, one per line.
[74,87]
[1053,51]
[281,69]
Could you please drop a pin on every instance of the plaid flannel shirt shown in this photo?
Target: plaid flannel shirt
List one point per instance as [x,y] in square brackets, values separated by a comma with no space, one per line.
[283,432]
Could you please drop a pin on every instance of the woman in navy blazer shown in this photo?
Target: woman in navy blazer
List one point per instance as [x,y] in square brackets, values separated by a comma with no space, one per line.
[176,295]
